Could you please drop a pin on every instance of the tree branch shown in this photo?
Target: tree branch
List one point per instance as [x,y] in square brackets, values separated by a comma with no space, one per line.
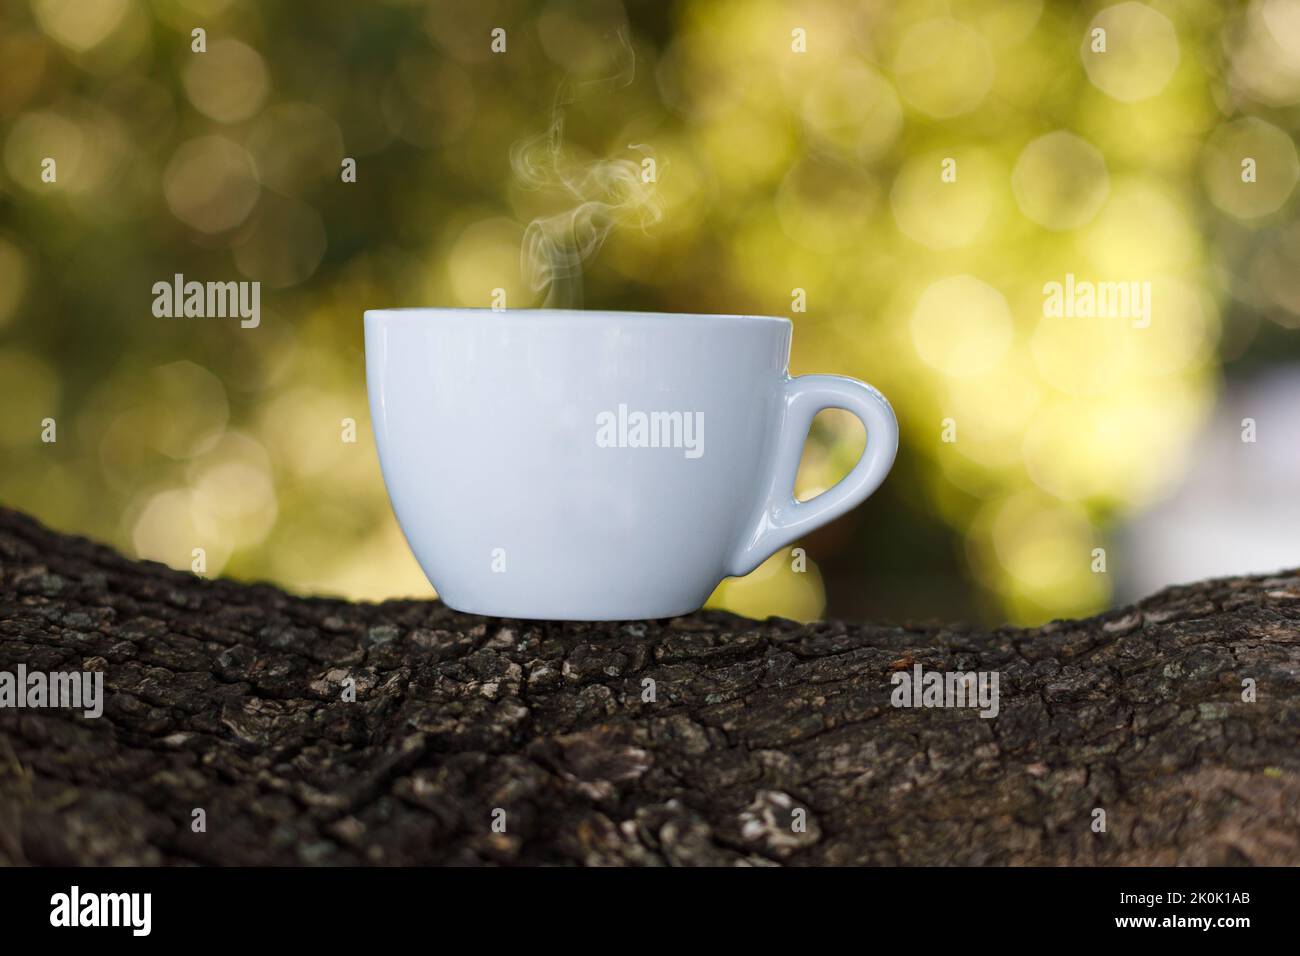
[229,698]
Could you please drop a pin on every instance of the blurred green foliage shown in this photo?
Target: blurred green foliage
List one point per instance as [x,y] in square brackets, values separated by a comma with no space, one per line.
[916,172]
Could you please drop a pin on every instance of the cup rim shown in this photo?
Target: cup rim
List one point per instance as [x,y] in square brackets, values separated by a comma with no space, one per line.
[535,315]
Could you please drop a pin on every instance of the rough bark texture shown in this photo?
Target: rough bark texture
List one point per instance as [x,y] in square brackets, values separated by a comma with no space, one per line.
[229,698]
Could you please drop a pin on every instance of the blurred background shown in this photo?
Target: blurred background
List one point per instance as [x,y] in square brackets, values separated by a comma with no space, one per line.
[902,180]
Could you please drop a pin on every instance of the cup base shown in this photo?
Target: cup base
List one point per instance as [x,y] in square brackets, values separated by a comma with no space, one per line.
[561,613]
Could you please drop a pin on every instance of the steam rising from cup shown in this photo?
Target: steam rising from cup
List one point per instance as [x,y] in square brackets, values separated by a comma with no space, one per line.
[605,193]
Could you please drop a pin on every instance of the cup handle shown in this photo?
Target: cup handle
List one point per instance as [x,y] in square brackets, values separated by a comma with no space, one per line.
[781,519]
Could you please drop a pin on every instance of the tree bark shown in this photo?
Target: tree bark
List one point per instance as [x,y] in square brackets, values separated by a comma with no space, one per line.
[766,742]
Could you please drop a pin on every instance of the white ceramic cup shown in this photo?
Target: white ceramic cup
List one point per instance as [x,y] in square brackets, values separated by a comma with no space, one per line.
[600,465]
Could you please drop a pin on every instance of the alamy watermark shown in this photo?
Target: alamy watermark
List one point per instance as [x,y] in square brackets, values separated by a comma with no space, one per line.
[209,300]
[78,690]
[1084,299]
[75,908]
[922,688]
[624,429]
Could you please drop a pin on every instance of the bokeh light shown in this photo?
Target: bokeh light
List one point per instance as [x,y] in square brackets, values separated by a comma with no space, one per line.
[944,67]
[1141,51]
[228,83]
[211,184]
[79,26]
[1250,168]
[942,213]
[1060,180]
[961,326]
